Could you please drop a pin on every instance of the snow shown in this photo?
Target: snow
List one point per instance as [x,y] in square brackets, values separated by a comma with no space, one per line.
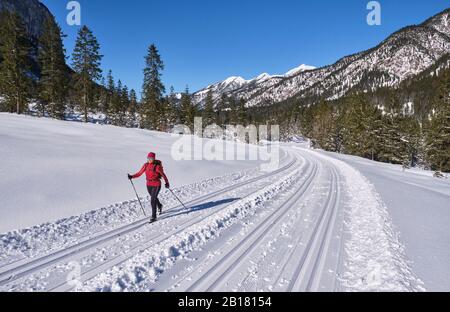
[418,205]
[319,222]
[237,83]
[299,69]
[53,169]
[159,257]
[262,77]
[234,80]
[376,258]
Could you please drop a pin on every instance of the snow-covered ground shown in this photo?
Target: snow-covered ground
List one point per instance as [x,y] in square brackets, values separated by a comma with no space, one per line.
[419,206]
[316,223]
[52,169]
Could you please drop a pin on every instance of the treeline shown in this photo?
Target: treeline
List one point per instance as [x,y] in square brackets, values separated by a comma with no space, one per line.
[227,111]
[409,125]
[58,90]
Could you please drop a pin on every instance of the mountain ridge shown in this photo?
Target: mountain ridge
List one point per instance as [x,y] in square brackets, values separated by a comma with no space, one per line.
[403,54]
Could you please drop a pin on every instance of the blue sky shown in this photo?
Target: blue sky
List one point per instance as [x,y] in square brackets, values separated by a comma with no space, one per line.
[204,41]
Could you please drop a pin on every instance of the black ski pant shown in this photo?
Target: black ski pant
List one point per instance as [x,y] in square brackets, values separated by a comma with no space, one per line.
[154,191]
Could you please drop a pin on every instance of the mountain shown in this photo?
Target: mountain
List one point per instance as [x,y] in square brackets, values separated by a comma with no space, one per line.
[236,84]
[33,13]
[404,54]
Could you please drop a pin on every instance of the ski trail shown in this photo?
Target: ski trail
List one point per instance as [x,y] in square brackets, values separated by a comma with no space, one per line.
[374,257]
[22,245]
[215,277]
[314,224]
[76,251]
[167,251]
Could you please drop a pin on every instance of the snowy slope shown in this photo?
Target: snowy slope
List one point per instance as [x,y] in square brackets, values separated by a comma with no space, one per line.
[314,224]
[52,169]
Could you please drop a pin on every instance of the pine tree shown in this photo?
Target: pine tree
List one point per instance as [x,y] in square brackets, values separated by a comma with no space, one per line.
[54,79]
[188,110]
[116,104]
[354,129]
[393,149]
[437,137]
[103,99]
[132,109]
[323,127]
[233,110]
[15,48]
[124,105]
[110,95]
[360,127]
[241,113]
[222,117]
[86,60]
[152,90]
[173,111]
[306,121]
[208,112]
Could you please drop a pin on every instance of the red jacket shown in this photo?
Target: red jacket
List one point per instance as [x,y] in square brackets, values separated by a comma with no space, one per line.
[153,171]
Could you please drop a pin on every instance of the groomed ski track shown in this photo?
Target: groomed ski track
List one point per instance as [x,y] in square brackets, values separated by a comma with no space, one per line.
[277,231]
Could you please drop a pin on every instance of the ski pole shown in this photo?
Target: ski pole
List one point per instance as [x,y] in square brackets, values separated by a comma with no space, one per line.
[178,199]
[139,200]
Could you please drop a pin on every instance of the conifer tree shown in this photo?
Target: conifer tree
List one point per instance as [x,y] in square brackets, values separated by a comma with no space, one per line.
[188,110]
[124,105]
[221,113]
[437,132]
[393,148]
[103,99]
[116,104]
[110,95]
[15,48]
[241,113]
[208,112]
[132,109]
[54,78]
[152,90]
[173,111]
[323,127]
[86,59]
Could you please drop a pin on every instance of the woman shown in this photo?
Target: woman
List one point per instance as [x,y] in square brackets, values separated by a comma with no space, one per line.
[154,172]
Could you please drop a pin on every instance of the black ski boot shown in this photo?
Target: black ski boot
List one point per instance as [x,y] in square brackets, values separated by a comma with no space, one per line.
[153,220]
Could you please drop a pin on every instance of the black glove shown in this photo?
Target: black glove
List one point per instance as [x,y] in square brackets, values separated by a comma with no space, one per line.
[167,185]
[130,176]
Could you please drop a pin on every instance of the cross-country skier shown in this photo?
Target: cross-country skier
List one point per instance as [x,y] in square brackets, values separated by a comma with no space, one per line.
[154,172]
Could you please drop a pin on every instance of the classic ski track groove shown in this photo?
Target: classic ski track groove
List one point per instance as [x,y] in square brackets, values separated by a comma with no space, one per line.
[6,266]
[320,237]
[261,231]
[22,270]
[317,244]
[117,260]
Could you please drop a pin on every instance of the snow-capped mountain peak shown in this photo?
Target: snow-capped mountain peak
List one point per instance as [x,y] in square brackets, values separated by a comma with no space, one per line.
[299,69]
[236,83]
[405,54]
[263,76]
